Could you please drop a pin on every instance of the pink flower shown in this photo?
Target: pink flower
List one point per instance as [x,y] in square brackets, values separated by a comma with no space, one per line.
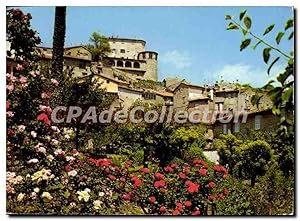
[43,118]
[159,176]
[10,87]
[152,199]
[10,114]
[7,105]
[187,203]
[175,212]
[55,82]
[23,80]
[212,184]
[32,73]
[19,67]
[203,172]
[144,170]
[21,128]
[46,95]
[72,173]
[211,197]
[196,213]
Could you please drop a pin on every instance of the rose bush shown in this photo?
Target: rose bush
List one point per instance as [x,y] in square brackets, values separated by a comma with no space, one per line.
[47,175]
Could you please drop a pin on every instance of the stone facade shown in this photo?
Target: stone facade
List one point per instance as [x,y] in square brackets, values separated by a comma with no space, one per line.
[130,56]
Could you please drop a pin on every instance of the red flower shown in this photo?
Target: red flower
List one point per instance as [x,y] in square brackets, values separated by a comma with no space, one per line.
[158,176]
[144,170]
[10,132]
[160,183]
[128,164]
[80,163]
[152,199]
[163,209]
[168,169]
[179,206]
[187,203]
[43,118]
[122,179]
[162,190]
[136,181]
[174,165]
[225,191]
[107,170]
[221,196]
[211,197]
[182,175]
[192,187]
[175,212]
[112,177]
[127,196]
[74,152]
[219,168]
[7,105]
[68,168]
[203,172]
[196,213]
[212,184]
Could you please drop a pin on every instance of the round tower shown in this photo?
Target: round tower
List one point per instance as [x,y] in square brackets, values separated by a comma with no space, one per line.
[151,64]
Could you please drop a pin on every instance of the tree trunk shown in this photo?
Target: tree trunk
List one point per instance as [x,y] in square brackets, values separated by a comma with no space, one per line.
[58,42]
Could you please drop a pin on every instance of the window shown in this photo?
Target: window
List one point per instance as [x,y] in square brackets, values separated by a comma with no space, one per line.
[237,127]
[122,50]
[82,64]
[120,63]
[136,65]
[257,122]
[128,64]
[224,128]
[148,96]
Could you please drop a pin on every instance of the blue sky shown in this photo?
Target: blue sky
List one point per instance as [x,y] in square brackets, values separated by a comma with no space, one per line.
[192,42]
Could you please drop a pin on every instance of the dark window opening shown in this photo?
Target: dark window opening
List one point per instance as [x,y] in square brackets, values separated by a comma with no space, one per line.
[128,64]
[120,63]
[122,50]
[136,65]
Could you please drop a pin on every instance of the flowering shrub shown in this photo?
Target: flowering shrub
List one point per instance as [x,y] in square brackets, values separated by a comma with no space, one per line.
[47,175]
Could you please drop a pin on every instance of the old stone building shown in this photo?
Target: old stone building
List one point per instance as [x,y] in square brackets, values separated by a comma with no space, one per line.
[130,56]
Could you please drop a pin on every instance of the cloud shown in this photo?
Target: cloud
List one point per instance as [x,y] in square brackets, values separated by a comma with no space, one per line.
[246,74]
[177,59]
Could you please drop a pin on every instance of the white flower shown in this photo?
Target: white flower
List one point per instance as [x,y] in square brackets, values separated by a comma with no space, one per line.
[33,161]
[101,194]
[97,204]
[72,173]
[20,197]
[59,152]
[55,128]
[68,158]
[21,128]
[50,157]
[42,174]
[36,190]
[73,204]
[87,190]
[83,195]
[55,142]
[67,136]
[47,195]
[33,134]
[33,195]
[40,148]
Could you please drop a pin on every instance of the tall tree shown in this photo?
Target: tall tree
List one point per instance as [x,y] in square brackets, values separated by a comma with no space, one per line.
[100,46]
[58,42]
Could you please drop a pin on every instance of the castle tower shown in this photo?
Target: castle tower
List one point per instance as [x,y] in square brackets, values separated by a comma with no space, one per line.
[151,64]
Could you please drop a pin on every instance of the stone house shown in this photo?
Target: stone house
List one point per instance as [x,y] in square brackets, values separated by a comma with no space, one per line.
[130,56]
[260,120]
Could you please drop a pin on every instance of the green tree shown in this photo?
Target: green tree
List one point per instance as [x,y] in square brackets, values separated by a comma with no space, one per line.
[58,42]
[255,158]
[99,46]
[282,95]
